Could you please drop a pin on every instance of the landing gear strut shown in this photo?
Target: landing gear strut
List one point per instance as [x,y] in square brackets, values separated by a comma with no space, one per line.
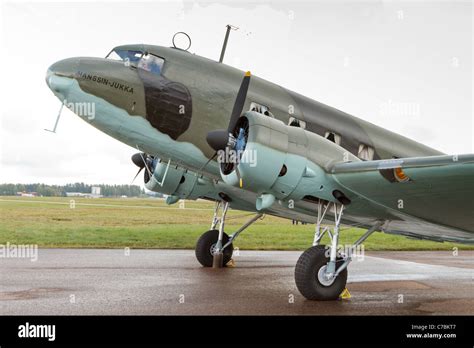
[214,248]
[321,272]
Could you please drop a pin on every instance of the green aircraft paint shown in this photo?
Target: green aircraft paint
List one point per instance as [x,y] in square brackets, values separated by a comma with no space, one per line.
[168,113]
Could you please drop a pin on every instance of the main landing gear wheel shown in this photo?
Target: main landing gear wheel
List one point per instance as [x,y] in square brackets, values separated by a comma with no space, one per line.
[205,248]
[310,275]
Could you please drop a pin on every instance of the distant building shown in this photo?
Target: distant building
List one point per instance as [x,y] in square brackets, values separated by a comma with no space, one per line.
[95,191]
[27,194]
[76,194]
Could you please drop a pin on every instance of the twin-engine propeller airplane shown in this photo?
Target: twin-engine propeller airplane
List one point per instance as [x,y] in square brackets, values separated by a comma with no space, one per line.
[205,130]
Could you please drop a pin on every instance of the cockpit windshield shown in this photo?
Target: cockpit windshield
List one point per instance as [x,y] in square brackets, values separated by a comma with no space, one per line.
[138,59]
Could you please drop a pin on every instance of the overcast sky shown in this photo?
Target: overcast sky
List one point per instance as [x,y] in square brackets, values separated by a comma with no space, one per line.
[401,65]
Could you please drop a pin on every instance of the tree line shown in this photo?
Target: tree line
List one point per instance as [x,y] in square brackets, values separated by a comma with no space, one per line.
[60,190]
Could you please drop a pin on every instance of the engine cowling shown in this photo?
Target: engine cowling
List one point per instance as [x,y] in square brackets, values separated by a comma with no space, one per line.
[279,160]
[178,183]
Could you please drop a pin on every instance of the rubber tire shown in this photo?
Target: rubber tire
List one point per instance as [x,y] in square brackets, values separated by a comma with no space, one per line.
[203,248]
[306,275]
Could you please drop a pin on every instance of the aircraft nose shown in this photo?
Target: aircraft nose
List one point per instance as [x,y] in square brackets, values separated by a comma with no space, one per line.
[59,75]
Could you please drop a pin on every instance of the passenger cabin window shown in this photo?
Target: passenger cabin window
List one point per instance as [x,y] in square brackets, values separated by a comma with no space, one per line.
[262,109]
[366,152]
[294,122]
[335,138]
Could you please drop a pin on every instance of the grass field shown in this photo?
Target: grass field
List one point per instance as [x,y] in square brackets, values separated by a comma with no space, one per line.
[150,223]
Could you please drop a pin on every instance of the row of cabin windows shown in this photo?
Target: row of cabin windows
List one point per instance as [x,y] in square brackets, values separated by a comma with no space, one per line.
[365,152]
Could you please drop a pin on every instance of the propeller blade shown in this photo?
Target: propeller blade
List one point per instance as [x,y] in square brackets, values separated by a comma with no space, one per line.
[139,170]
[144,156]
[239,102]
[141,160]
[205,165]
[219,139]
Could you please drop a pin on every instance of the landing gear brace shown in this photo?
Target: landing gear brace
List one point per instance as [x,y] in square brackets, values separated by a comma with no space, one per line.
[320,273]
[214,248]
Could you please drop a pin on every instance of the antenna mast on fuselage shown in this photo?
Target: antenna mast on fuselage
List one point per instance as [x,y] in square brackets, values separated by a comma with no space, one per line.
[224,46]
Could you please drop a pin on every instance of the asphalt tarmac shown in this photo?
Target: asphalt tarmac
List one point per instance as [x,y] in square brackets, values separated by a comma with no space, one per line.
[156,282]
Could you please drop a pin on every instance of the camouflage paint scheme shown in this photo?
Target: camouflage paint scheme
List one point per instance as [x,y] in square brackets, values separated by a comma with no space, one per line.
[169,116]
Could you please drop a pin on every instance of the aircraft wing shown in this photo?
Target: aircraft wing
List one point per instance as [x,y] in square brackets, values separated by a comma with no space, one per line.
[434,194]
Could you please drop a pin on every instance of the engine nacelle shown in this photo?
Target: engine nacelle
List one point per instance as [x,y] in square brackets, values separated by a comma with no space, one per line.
[284,161]
[165,179]
[178,183]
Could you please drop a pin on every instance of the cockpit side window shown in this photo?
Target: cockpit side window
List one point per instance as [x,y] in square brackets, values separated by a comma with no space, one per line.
[151,63]
[126,56]
[138,59]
